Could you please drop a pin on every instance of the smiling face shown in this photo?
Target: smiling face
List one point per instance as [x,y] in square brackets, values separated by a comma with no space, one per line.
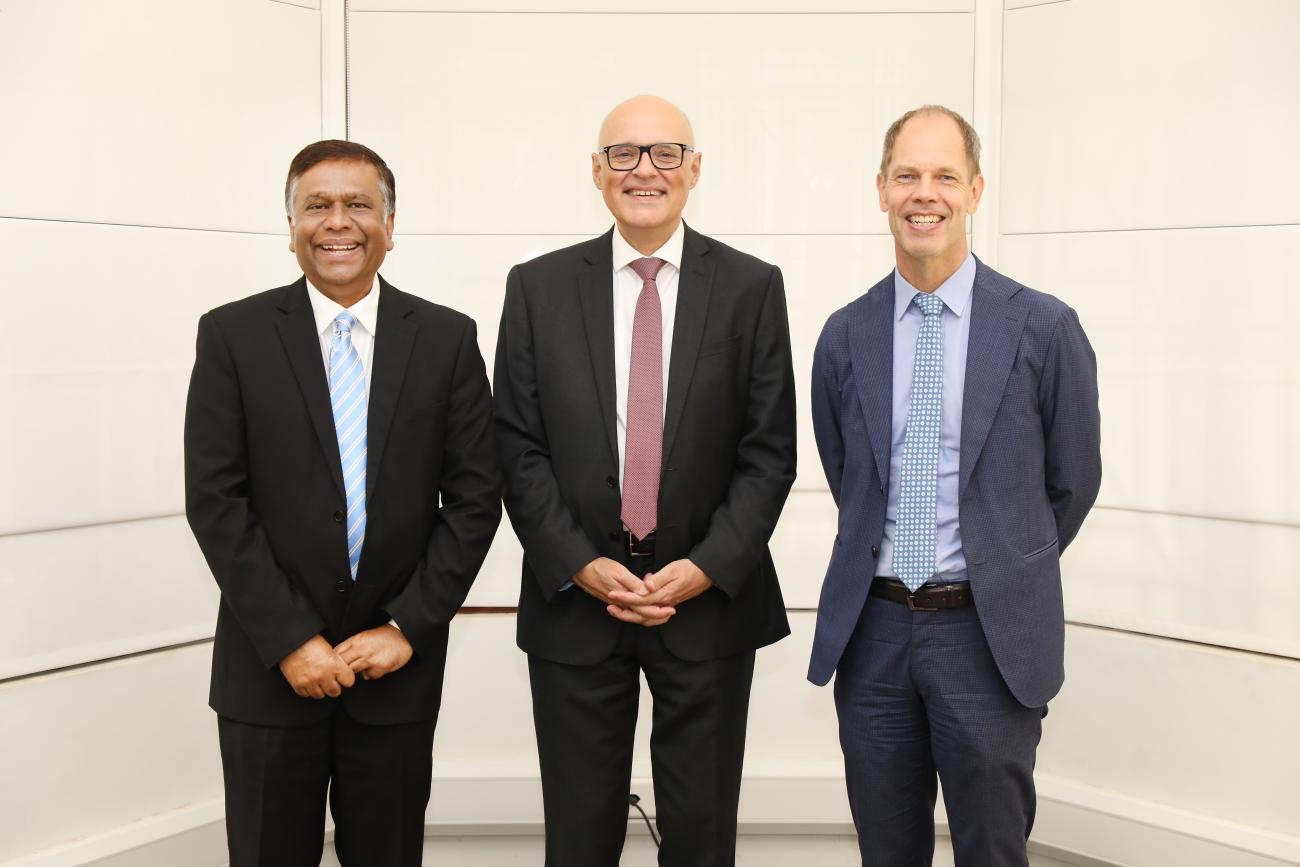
[927,190]
[338,230]
[646,202]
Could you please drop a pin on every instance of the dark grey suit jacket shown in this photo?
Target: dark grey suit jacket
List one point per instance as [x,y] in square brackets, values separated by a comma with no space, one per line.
[729,446]
[1030,467]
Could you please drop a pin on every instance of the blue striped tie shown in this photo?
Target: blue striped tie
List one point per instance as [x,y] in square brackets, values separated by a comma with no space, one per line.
[918,480]
[348,397]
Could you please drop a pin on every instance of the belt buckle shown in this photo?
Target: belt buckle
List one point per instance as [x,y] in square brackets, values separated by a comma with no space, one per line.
[912,606]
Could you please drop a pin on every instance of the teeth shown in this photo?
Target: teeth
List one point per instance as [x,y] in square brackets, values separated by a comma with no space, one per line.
[335,248]
[644,193]
[924,218]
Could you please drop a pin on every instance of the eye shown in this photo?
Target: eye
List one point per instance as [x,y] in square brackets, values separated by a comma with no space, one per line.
[357,205]
[903,177]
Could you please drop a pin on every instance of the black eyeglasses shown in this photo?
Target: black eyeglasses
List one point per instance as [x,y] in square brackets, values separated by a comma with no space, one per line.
[663,155]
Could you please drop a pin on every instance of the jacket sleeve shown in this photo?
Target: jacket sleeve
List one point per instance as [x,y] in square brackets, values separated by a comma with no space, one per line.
[469,492]
[1071,426]
[276,618]
[554,544]
[826,409]
[765,455]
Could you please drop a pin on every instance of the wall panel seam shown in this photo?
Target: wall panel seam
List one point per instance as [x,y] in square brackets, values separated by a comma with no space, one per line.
[36,531]
[1257,522]
[603,13]
[1152,229]
[1177,640]
[140,226]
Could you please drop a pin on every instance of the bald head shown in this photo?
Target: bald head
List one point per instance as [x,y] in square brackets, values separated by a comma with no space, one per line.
[646,112]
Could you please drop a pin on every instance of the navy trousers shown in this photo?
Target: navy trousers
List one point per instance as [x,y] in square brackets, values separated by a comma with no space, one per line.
[918,694]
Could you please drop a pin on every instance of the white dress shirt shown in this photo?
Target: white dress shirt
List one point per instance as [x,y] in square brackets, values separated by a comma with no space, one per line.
[627,287]
[325,310]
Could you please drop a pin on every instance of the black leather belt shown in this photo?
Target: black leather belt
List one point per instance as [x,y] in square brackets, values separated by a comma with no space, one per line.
[928,597]
[639,547]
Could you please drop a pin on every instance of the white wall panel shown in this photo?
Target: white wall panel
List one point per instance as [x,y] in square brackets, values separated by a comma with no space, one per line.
[662,6]
[89,750]
[1199,367]
[1178,724]
[73,596]
[489,120]
[1167,575]
[98,371]
[156,112]
[1122,115]
[801,545]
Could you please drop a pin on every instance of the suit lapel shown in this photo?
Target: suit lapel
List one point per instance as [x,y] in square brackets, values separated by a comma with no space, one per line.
[297,328]
[596,295]
[871,349]
[997,318]
[394,338]
[694,286]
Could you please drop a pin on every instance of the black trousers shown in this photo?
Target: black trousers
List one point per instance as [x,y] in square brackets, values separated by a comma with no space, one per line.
[585,718]
[276,780]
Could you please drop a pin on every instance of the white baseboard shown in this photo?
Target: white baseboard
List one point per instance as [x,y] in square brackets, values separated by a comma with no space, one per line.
[1076,823]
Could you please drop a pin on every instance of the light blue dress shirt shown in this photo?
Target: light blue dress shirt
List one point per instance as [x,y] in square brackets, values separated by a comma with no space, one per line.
[950,563]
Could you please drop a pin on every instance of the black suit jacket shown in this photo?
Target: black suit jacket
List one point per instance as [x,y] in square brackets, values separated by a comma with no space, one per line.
[729,446]
[264,496]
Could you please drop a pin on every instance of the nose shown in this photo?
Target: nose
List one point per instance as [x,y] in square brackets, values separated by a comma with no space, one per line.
[924,190]
[644,167]
[338,216]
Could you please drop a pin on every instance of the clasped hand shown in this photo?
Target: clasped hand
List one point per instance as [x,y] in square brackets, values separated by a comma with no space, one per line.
[650,601]
[316,670]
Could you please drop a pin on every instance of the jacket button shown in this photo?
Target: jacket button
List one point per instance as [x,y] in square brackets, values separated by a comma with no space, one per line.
[338,516]
[882,489]
[614,536]
[341,585]
[875,551]
[611,481]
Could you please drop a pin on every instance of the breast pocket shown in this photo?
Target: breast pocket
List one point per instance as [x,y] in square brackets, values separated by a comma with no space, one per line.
[720,347]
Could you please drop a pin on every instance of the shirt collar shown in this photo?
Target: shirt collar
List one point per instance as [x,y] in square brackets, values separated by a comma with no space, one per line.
[325,309]
[954,292]
[671,252]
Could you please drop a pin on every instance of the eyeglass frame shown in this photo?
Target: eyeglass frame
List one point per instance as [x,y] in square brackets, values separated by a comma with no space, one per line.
[645,152]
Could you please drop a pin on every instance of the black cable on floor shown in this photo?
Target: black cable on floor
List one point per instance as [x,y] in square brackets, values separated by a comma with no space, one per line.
[635,801]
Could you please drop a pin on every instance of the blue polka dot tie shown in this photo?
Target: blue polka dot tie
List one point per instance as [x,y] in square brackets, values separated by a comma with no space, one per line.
[914,530]
[348,397]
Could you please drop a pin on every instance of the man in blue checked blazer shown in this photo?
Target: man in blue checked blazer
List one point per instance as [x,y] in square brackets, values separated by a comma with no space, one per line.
[956,417]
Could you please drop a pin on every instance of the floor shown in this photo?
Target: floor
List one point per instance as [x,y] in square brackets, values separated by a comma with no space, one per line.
[753,851]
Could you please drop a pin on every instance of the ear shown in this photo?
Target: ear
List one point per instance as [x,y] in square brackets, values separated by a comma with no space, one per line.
[880,190]
[595,171]
[696,159]
[976,191]
[388,225]
[290,220]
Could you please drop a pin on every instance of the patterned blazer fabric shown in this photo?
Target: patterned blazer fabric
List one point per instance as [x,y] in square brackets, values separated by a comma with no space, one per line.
[1030,467]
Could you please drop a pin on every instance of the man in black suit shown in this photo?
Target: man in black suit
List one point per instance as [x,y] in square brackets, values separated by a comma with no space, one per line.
[341,481]
[646,428]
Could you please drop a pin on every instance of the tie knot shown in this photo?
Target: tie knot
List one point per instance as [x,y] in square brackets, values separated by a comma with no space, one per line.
[930,304]
[343,322]
[647,268]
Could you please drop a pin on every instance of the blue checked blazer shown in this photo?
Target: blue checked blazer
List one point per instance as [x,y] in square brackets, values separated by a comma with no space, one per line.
[1030,467]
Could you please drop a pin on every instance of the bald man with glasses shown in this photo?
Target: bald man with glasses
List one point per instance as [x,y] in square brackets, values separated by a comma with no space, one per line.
[646,430]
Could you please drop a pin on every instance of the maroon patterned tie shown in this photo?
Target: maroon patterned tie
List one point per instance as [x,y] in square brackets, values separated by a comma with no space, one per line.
[645,407]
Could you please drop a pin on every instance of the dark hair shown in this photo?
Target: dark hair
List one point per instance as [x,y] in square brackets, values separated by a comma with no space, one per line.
[337,149]
[968,136]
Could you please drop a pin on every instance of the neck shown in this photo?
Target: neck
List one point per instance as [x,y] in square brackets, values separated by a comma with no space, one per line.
[346,296]
[647,241]
[927,275]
